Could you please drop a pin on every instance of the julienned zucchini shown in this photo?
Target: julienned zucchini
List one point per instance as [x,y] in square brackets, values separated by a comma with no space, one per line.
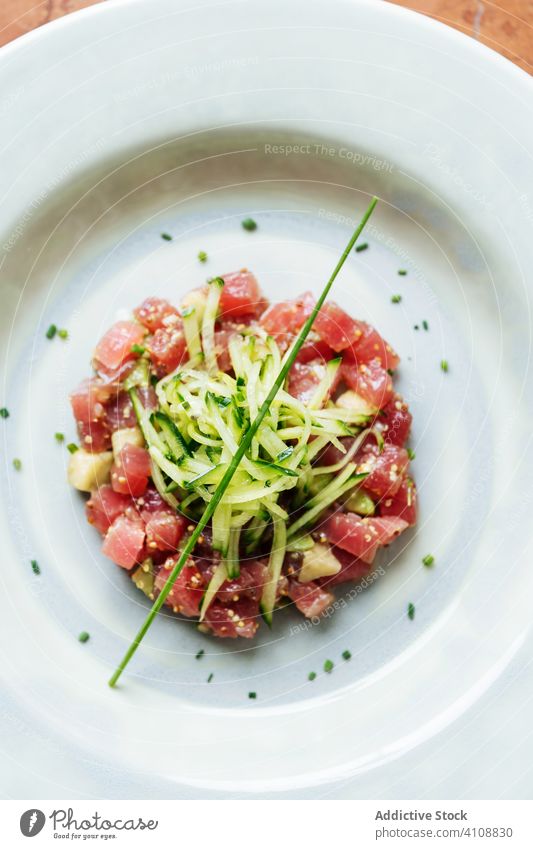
[275,564]
[202,417]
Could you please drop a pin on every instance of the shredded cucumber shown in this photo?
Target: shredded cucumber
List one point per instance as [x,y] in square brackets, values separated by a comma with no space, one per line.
[208,324]
[277,555]
[202,417]
[323,389]
[219,576]
[320,503]
[191,329]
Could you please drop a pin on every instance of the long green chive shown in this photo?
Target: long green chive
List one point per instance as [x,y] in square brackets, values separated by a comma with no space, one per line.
[51,332]
[35,567]
[428,560]
[241,451]
[362,247]
[72,447]
[249,224]
[411,610]
[328,665]
[83,637]
[4,412]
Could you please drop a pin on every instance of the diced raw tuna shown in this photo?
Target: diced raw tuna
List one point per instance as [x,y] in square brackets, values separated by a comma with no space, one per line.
[369,345]
[362,537]
[386,468]
[241,295]
[119,412]
[130,473]
[104,506]
[167,348]
[164,529]
[236,619]
[249,584]
[150,502]
[114,348]
[403,504]
[285,319]
[395,421]
[336,327]
[186,594]
[316,349]
[310,598]
[89,401]
[124,541]
[370,381]
[305,377]
[153,312]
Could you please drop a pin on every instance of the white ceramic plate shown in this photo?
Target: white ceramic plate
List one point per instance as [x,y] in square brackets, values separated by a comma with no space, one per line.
[134,118]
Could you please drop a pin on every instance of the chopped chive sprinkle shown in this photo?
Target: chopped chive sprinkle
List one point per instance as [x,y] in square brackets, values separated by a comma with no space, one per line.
[252,695]
[199,654]
[36,568]
[51,332]
[63,334]
[396,299]
[411,454]
[390,372]
[249,224]
[311,676]
[362,247]
[83,637]
[444,365]
[346,655]
[4,412]
[425,325]
[17,464]
[137,349]
[166,236]
[328,665]
[428,560]
[202,256]
[416,327]
[59,437]
[72,447]
[402,272]
[210,677]
[411,610]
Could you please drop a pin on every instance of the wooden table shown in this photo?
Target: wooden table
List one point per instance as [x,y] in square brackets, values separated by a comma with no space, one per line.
[504,25]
